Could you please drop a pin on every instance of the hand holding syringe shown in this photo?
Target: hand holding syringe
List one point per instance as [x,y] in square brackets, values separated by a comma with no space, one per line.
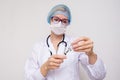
[81,44]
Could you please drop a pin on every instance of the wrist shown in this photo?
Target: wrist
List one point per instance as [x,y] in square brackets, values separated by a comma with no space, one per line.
[91,53]
[44,69]
[92,58]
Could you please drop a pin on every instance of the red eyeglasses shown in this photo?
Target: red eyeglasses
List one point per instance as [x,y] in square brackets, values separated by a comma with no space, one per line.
[57,20]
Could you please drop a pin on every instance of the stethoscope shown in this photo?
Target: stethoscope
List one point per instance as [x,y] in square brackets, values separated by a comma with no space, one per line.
[61,42]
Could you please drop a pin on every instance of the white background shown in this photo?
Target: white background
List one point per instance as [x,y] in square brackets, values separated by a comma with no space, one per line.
[23,22]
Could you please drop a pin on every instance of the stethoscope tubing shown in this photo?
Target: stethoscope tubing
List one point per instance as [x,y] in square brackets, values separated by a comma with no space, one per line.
[58,43]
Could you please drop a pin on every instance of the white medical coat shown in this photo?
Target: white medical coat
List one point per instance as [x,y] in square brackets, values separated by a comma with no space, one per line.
[69,69]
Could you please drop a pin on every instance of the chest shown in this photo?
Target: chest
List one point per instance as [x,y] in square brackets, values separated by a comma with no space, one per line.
[72,57]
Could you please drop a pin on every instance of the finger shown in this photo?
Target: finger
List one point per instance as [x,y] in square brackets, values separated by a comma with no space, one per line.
[59,56]
[56,60]
[82,43]
[75,41]
[78,44]
[83,38]
[53,67]
[54,64]
[84,47]
[85,50]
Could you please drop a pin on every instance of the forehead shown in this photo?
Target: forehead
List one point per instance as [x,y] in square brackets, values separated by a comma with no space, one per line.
[61,16]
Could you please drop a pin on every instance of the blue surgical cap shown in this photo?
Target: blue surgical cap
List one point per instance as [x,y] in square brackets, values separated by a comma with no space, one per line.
[59,9]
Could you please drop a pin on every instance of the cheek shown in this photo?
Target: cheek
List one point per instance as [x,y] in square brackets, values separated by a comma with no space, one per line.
[66,26]
[50,21]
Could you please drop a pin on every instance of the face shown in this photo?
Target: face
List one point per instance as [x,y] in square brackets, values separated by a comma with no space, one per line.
[59,24]
[60,18]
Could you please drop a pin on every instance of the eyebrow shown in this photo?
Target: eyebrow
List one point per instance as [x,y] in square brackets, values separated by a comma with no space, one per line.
[60,18]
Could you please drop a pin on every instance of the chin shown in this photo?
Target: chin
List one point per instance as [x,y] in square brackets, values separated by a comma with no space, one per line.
[56,34]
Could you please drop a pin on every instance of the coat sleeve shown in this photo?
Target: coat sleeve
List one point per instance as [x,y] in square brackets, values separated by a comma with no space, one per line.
[96,71]
[32,69]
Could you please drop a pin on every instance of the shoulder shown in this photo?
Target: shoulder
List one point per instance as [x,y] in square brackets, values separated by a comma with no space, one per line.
[39,44]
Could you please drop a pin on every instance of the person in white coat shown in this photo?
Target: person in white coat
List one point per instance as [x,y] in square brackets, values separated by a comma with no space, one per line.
[57,57]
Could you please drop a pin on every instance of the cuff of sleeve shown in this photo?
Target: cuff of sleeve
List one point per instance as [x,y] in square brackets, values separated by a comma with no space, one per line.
[97,63]
[98,69]
[39,76]
[83,58]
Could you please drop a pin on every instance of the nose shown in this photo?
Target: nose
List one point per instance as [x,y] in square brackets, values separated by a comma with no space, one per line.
[59,24]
